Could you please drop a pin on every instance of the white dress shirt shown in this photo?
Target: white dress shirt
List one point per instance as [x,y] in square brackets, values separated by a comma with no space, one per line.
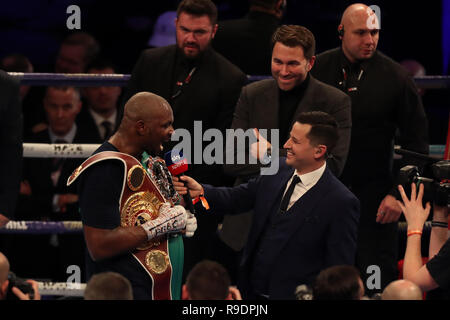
[308,180]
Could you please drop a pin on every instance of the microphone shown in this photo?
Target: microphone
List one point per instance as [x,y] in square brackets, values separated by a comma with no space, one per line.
[177,165]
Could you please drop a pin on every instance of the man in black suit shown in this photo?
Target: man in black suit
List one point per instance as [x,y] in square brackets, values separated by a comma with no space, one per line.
[274,104]
[200,85]
[306,220]
[252,35]
[384,100]
[10,146]
[99,118]
[44,194]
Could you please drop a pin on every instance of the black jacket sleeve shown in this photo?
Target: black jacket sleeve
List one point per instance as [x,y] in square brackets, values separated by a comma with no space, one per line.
[10,144]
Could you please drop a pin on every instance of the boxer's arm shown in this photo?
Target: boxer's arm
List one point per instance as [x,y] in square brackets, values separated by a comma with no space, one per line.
[106,243]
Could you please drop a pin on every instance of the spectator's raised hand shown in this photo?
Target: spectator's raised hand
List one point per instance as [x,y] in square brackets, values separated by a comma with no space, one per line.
[413,210]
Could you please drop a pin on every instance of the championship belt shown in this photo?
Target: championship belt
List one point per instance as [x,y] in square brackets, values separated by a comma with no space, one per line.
[140,201]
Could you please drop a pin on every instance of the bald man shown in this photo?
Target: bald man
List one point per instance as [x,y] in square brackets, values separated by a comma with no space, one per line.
[402,290]
[384,100]
[4,282]
[131,227]
[4,269]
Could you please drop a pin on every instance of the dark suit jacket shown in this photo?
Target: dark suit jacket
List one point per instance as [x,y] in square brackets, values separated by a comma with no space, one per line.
[209,97]
[324,232]
[258,107]
[246,42]
[38,172]
[10,144]
[86,123]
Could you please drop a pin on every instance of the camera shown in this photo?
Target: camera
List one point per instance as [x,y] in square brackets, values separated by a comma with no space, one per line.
[19,283]
[436,189]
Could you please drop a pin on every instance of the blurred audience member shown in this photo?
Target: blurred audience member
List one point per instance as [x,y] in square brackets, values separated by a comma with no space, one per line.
[164,33]
[76,52]
[44,194]
[338,283]
[402,290]
[18,63]
[414,69]
[209,280]
[246,41]
[108,286]
[100,117]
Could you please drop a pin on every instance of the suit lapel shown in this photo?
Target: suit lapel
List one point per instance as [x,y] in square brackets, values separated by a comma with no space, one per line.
[268,105]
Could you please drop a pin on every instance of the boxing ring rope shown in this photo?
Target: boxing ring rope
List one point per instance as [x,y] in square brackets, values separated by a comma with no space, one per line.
[85,150]
[41,227]
[44,150]
[93,80]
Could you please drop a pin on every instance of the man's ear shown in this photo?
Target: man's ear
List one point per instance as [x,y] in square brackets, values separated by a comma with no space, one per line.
[215,27]
[184,293]
[3,289]
[321,151]
[311,63]
[140,127]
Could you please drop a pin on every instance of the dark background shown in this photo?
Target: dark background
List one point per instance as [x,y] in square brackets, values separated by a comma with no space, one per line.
[35,28]
[410,30]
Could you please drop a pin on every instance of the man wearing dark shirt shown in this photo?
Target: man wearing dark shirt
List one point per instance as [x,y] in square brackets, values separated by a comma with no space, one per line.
[384,99]
[274,104]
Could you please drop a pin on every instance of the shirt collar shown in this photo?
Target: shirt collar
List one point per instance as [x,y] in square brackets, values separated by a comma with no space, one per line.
[311,178]
[99,119]
[68,137]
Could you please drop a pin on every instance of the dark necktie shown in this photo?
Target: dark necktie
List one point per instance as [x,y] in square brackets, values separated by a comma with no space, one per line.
[288,194]
[108,129]
[57,162]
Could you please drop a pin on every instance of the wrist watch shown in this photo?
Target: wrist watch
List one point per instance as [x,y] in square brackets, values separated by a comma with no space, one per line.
[267,158]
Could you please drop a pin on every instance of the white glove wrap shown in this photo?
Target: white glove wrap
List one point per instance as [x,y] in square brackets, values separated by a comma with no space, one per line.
[170,220]
[191,224]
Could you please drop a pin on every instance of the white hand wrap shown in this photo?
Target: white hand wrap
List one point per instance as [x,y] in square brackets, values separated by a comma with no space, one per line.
[191,224]
[170,220]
